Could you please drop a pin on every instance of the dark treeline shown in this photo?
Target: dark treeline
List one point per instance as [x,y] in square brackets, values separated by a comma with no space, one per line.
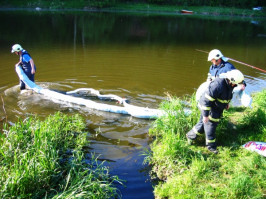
[225,3]
[108,3]
[107,28]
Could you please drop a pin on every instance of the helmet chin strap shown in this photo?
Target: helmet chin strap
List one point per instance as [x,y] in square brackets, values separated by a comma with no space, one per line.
[232,84]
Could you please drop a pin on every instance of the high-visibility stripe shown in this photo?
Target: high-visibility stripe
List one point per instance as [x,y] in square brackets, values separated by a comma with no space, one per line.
[209,97]
[210,141]
[204,107]
[196,132]
[214,119]
[223,101]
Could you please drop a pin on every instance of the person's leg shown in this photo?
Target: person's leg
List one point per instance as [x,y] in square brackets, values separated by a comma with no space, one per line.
[197,130]
[31,77]
[210,129]
[22,85]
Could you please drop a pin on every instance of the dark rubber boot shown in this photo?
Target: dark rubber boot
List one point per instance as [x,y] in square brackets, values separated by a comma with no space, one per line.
[213,149]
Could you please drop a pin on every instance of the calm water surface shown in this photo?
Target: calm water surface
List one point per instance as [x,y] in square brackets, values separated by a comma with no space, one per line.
[138,56]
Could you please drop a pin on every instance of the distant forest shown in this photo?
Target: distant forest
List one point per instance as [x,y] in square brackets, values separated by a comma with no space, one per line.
[225,3]
[109,3]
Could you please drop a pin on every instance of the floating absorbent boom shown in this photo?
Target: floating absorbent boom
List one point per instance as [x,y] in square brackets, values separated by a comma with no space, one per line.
[135,111]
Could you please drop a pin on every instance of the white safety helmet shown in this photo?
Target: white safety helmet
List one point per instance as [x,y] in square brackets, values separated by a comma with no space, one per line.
[17,48]
[235,76]
[216,54]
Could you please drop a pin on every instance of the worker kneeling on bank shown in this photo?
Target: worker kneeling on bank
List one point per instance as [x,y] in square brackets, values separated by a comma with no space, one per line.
[213,101]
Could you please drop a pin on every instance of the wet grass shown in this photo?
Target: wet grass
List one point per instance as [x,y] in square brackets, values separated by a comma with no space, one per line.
[46,159]
[185,171]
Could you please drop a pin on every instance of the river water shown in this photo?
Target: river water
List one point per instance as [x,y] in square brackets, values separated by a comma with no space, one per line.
[139,56]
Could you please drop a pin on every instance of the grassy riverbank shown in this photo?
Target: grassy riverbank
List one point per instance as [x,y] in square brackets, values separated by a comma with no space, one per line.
[46,159]
[192,172]
[132,7]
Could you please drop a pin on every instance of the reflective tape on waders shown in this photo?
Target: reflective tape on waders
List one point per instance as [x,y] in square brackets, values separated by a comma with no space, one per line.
[204,107]
[223,101]
[196,132]
[209,97]
[210,141]
[214,119]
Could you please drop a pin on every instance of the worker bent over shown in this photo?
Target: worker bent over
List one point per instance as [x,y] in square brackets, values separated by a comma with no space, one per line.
[213,101]
[26,63]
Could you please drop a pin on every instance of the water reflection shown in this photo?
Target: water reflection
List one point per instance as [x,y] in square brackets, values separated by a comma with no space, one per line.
[139,57]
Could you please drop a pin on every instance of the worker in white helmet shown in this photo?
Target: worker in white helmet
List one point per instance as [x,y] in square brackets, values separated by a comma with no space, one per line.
[212,104]
[26,63]
[220,66]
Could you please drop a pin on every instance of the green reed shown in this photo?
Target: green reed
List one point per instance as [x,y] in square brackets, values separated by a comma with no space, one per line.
[46,159]
[192,172]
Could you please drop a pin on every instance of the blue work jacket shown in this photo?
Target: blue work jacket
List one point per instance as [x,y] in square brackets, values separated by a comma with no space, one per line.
[220,70]
[25,59]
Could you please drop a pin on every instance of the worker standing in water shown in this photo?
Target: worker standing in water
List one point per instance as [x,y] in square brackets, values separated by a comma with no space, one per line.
[212,103]
[26,63]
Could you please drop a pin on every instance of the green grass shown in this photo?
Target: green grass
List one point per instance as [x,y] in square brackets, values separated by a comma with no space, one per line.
[192,172]
[46,159]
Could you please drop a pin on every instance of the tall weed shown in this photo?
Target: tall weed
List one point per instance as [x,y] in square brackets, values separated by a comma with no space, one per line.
[170,152]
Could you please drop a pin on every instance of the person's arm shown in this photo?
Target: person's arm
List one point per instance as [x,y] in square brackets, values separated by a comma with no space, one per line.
[32,66]
[209,76]
[210,96]
[20,62]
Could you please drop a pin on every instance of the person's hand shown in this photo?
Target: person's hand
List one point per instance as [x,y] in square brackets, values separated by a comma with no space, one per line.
[18,63]
[227,106]
[32,71]
[205,119]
